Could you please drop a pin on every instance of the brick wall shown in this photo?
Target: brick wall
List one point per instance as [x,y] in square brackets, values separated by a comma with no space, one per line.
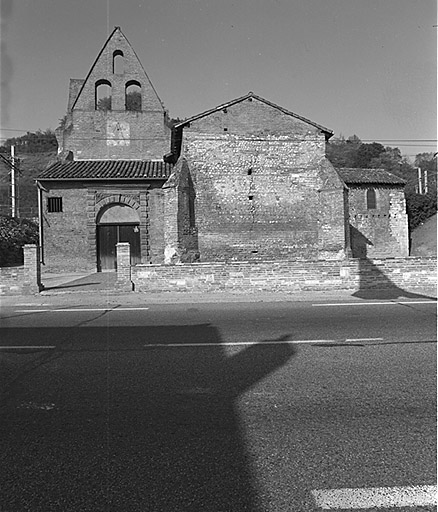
[396,275]
[254,118]
[11,280]
[382,231]
[116,134]
[70,236]
[262,186]
[25,279]
[65,233]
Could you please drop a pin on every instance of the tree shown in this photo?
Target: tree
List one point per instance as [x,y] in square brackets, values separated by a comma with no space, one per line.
[366,153]
[33,142]
[133,101]
[14,234]
[342,152]
[420,207]
[104,103]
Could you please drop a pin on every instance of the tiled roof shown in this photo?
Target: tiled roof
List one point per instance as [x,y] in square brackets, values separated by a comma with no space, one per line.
[107,170]
[352,176]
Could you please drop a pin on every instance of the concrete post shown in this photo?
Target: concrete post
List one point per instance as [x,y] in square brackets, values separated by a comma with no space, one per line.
[123,254]
[32,269]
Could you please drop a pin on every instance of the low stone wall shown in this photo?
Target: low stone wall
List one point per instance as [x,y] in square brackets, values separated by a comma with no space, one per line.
[11,279]
[396,274]
[23,280]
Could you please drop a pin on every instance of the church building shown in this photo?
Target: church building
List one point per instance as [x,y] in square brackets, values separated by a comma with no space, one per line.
[245,180]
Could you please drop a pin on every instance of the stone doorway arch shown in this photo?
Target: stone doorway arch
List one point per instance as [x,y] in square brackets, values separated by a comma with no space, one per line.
[116,222]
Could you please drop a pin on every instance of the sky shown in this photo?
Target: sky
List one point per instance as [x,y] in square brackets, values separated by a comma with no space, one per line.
[362,67]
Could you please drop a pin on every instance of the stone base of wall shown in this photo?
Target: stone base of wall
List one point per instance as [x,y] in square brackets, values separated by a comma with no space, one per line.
[399,275]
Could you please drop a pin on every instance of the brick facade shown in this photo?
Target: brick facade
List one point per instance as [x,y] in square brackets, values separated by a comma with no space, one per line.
[262,186]
[381,231]
[70,235]
[245,181]
[118,133]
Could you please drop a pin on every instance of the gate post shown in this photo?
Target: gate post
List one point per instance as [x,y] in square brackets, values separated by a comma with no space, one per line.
[123,268]
[32,269]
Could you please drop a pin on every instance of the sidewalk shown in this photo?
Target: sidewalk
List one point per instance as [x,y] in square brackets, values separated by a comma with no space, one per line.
[78,282]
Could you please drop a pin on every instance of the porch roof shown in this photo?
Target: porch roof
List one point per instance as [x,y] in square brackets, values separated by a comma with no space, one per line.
[107,170]
[353,176]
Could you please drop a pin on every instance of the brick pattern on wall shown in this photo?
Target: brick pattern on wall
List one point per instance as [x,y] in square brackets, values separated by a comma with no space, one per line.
[382,231]
[11,280]
[25,279]
[117,134]
[398,275]
[252,181]
[66,235]
[258,197]
[70,235]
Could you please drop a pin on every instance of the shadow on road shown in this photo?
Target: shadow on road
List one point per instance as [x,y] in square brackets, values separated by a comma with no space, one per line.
[109,424]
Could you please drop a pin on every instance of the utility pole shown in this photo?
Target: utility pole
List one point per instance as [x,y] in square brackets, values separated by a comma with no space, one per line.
[425,181]
[420,184]
[13,188]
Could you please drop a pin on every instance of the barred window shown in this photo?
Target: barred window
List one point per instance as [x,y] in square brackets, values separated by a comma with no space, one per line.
[54,204]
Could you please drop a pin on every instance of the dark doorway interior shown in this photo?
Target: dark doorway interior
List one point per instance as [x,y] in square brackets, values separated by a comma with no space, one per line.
[108,235]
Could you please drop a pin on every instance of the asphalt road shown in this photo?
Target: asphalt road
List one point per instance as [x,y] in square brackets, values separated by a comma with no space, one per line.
[215,407]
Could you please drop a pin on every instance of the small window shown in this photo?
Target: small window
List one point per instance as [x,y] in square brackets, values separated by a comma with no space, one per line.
[371,199]
[54,204]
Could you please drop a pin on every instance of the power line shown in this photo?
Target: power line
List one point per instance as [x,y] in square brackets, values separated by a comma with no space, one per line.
[141,138]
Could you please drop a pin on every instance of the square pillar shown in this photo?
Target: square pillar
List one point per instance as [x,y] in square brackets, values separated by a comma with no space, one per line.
[123,266]
[32,269]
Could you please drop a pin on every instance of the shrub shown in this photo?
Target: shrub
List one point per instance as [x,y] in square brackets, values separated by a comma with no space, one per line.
[420,207]
[14,233]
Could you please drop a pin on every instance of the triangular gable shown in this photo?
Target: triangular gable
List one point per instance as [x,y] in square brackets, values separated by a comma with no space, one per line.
[327,132]
[117,32]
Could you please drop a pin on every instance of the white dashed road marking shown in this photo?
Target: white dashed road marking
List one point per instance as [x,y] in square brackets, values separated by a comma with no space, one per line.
[76,310]
[376,497]
[28,347]
[388,303]
[218,344]
[239,343]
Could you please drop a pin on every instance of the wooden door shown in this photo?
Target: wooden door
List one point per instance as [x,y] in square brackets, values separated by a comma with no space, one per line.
[108,235]
[106,247]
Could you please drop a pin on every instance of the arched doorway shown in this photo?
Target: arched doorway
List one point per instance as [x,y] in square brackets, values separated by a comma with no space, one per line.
[116,223]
